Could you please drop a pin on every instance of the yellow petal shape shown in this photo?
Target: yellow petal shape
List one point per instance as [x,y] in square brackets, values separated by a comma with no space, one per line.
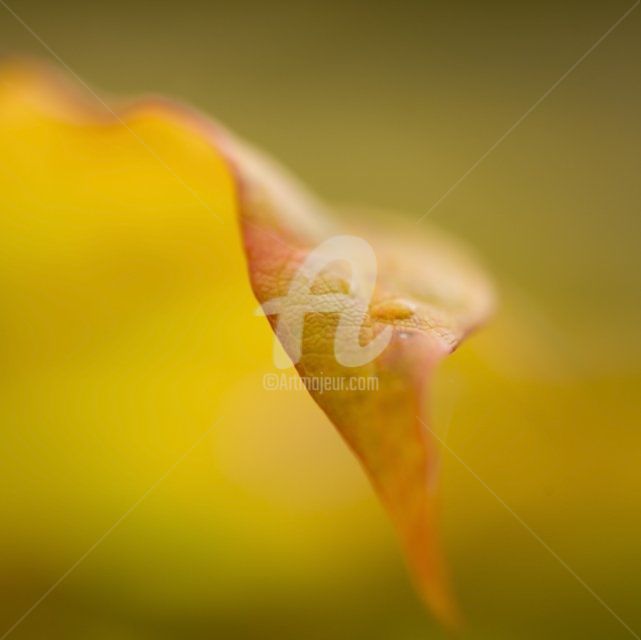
[59,150]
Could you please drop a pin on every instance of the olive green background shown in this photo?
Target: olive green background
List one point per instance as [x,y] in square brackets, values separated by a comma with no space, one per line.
[388,104]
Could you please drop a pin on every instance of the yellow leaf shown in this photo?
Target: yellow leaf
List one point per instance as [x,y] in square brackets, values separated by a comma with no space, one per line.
[59,151]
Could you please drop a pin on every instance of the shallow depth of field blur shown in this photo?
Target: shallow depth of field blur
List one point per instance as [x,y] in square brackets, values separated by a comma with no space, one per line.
[267,528]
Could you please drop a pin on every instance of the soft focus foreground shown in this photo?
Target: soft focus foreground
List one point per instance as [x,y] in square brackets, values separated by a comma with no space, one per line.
[129,333]
[111,341]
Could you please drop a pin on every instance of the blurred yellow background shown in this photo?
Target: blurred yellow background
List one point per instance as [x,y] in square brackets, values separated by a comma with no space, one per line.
[117,354]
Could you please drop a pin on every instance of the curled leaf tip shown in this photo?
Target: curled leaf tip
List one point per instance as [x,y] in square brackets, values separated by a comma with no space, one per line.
[428,295]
